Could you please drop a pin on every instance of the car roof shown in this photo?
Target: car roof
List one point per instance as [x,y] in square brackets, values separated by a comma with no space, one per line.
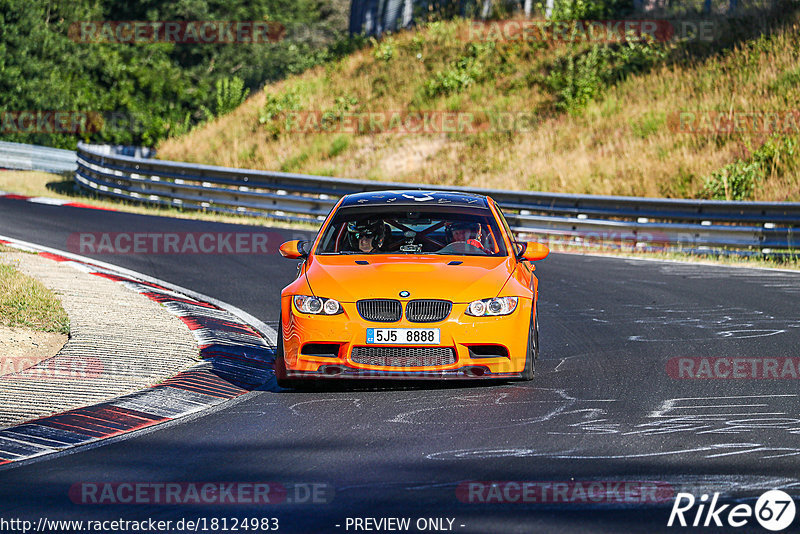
[413,197]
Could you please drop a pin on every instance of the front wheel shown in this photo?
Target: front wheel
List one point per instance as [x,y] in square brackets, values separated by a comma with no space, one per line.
[536,334]
[280,362]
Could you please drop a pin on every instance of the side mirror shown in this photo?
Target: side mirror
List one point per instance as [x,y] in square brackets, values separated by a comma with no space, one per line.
[532,251]
[294,250]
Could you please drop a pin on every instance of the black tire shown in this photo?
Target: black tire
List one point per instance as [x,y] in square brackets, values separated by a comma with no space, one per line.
[533,348]
[280,363]
[536,334]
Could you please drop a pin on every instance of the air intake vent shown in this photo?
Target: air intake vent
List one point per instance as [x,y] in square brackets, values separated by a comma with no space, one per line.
[428,311]
[404,356]
[380,310]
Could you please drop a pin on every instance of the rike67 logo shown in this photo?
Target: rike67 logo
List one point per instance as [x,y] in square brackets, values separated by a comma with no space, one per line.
[774,510]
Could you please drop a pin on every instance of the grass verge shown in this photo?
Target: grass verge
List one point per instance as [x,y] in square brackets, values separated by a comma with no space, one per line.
[26,302]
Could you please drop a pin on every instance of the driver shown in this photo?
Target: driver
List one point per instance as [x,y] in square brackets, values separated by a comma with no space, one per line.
[466,232]
[366,236]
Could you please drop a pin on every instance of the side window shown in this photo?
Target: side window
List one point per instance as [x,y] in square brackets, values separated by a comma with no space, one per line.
[508,230]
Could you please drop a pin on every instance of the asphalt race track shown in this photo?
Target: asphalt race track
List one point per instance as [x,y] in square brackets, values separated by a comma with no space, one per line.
[603,407]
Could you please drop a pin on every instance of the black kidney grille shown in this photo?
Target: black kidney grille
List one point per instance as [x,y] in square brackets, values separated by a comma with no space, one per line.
[428,311]
[380,310]
[404,356]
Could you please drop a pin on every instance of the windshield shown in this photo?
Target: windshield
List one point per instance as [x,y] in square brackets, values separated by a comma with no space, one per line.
[472,232]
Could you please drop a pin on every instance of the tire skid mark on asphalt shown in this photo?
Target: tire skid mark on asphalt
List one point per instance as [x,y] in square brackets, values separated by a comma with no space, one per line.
[756,418]
[711,323]
[554,406]
[351,401]
[786,282]
[572,454]
[235,360]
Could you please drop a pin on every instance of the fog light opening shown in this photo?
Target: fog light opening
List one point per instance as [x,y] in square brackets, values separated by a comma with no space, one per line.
[475,371]
[332,370]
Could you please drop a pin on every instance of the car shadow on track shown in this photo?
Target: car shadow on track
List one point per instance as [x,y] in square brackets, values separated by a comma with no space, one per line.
[257,374]
[341,385]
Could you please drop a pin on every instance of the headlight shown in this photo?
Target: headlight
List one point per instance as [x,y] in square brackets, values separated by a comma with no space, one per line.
[496,306]
[317,305]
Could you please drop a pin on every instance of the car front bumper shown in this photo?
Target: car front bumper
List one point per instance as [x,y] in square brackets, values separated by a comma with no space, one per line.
[484,347]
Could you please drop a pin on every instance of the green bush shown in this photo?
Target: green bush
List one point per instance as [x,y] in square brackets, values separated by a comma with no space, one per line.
[579,77]
[586,9]
[477,64]
[338,146]
[787,82]
[342,105]
[294,162]
[384,50]
[576,81]
[331,117]
[275,107]
[739,180]
[231,92]
[648,124]
[735,181]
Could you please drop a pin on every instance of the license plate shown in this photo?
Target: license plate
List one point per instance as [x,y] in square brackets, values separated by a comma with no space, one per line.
[403,336]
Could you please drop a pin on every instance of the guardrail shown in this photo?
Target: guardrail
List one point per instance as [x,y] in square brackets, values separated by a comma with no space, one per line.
[36,158]
[584,220]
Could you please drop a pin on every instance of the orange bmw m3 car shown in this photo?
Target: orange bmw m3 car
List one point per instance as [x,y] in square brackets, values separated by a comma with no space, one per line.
[410,285]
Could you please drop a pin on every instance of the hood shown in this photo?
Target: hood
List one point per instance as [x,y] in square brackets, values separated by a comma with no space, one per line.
[424,277]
